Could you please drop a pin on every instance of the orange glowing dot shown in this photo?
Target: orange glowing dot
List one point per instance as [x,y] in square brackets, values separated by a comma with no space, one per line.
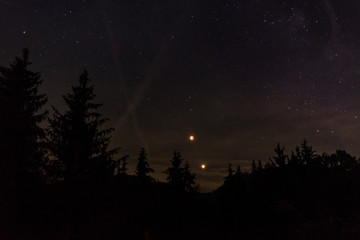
[203,166]
[192,138]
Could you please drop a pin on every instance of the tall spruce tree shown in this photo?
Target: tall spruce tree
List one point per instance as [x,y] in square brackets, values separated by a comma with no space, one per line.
[180,178]
[20,134]
[76,138]
[175,172]
[143,169]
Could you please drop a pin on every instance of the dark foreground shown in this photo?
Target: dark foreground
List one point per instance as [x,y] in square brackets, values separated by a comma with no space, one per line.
[124,208]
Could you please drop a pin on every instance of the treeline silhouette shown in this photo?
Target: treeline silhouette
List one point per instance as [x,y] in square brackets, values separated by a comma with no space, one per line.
[65,182]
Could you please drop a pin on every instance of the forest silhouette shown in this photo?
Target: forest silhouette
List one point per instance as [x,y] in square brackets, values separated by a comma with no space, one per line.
[64,181]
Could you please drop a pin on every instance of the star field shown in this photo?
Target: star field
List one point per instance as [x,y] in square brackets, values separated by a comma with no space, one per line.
[239,75]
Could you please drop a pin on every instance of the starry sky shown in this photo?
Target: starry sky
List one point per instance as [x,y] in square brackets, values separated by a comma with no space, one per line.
[238,75]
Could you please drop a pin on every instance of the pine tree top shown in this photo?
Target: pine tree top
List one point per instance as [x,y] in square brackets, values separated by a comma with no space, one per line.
[77,137]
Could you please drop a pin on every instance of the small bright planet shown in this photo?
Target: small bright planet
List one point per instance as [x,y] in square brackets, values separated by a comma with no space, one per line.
[203,166]
[192,138]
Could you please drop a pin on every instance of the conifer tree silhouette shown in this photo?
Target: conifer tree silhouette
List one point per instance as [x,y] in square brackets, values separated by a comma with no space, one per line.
[189,179]
[295,158]
[121,164]
[230,175]
[260,166]
[279,159]
[180,178]
[307,153]
[76,138]
[254,167]
[175,172]
[142,168]
[21,137]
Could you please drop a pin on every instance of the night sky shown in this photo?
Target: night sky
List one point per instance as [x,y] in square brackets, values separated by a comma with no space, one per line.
[238,75]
